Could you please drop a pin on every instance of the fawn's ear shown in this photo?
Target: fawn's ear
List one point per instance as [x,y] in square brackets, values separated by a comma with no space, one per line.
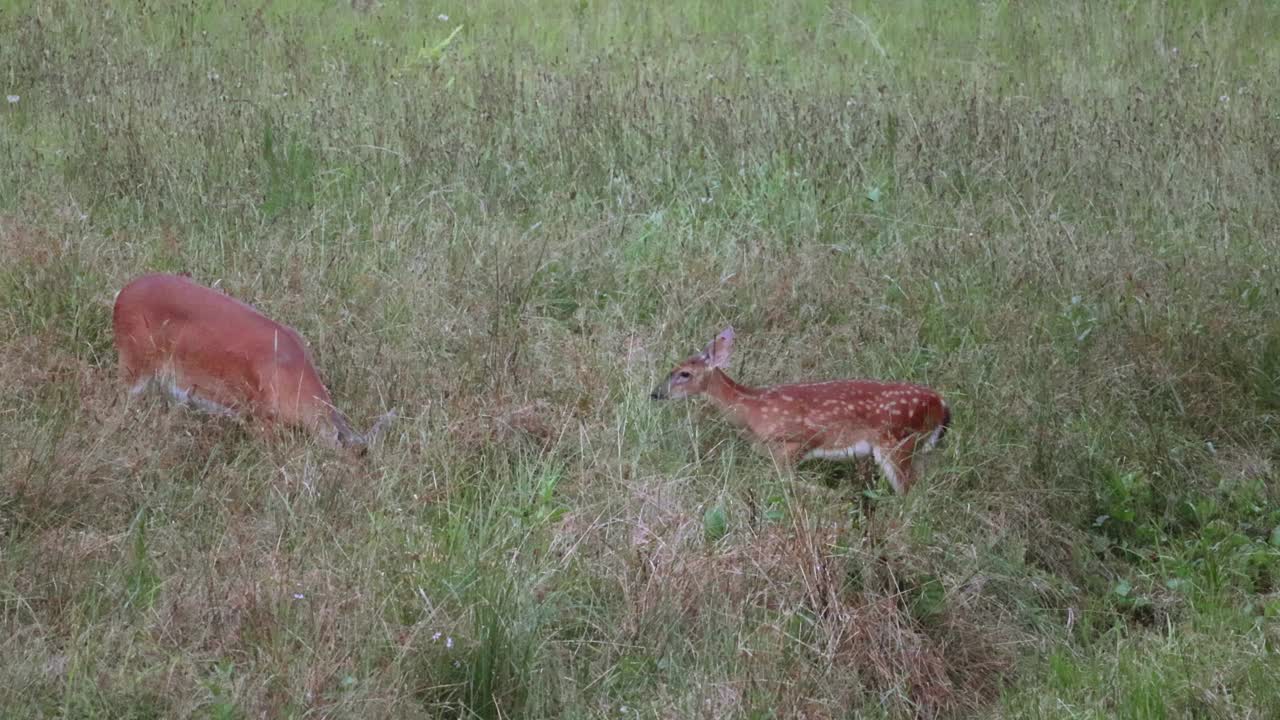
[718,352]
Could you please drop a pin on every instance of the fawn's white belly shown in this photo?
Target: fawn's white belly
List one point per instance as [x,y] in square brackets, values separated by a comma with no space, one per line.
[860,449]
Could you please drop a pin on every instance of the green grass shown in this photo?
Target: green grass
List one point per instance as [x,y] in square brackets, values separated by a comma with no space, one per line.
[1064,217]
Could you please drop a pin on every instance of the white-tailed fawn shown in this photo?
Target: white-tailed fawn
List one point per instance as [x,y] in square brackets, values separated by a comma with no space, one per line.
[834,420]
[223,356]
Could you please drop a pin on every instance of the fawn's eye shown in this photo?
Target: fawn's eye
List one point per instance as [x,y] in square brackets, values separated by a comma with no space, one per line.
[683,374]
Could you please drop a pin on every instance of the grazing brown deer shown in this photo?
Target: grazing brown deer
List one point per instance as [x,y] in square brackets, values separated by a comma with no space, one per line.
[834,420]
[223,356]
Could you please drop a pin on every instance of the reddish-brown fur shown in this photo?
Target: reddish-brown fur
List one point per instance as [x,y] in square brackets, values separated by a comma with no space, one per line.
[839,419]
[222,355]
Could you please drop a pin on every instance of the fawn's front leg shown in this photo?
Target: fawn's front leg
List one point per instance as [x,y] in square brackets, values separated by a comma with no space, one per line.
[785,455]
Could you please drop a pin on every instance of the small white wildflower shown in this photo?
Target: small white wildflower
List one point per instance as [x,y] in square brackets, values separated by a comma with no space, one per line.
[214,77]
[448,642]
[1224,99]
[442,17]
[13,99]
[1175,51]
[435,637]
[457,664]
[299,596]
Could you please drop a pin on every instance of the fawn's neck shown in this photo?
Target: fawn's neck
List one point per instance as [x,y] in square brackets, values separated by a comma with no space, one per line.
[728,395]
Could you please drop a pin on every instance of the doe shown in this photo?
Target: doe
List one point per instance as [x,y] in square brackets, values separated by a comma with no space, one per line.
[834,420]
[223,356]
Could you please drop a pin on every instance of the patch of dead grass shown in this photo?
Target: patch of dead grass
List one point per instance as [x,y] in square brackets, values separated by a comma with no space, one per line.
[950,663]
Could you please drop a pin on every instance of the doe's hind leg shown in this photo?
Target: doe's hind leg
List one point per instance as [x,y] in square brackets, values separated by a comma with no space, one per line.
[137,386]
[131,374]
[135,383]
[136,370]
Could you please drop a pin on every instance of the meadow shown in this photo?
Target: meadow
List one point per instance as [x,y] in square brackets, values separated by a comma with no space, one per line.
[510,219]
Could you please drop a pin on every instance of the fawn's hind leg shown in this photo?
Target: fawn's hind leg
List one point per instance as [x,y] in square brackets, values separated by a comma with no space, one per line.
[895,462]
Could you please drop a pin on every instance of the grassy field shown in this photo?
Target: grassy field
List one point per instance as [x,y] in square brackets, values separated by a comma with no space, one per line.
[510,219]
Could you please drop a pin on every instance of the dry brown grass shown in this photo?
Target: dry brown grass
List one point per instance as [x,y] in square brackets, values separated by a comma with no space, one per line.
[799,573]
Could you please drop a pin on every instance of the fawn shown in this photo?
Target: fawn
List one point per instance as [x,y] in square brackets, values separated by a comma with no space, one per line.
[834,420]
[223,356]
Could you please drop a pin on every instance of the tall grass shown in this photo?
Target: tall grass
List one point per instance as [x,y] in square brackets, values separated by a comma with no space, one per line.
[1064,218]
